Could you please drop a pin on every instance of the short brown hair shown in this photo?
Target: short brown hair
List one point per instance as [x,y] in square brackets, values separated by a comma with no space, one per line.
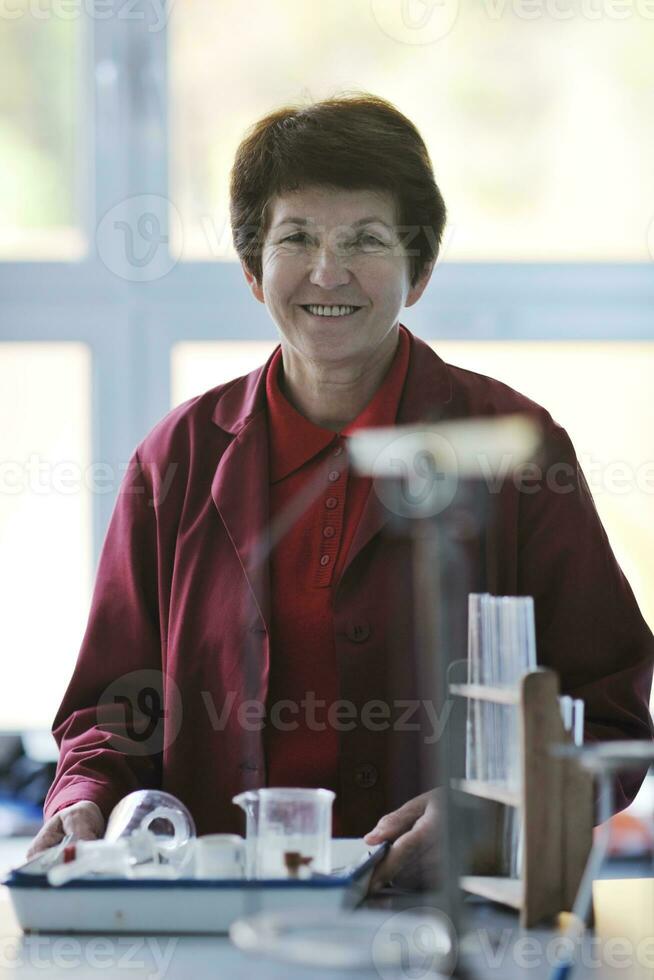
[349,141]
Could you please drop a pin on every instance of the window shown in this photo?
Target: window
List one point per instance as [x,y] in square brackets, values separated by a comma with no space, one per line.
[599,393]
[520,113]
[45,524]
[196,367]
[39,133]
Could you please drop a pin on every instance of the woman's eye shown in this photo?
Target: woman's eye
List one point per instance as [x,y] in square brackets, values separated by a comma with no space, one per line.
[371,241]
[296,238]
[365,240]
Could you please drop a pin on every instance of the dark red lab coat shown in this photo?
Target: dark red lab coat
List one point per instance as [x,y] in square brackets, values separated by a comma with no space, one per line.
[174,663]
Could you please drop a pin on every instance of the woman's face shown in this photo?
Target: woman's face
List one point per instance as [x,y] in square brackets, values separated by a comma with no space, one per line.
[327,247]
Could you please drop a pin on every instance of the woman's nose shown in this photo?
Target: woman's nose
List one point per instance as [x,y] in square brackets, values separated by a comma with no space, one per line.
[329,269]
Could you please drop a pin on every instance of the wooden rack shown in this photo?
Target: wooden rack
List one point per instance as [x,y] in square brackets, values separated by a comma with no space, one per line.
[555,799]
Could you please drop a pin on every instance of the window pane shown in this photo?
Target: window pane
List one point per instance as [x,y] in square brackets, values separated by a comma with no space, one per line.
[598,391]
[539,127]
[45,524]
[39,128]
[197,366]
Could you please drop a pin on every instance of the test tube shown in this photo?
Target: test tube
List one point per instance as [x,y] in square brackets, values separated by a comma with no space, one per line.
[578,721]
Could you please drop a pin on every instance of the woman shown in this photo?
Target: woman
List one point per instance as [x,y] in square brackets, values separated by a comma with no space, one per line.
[209,665]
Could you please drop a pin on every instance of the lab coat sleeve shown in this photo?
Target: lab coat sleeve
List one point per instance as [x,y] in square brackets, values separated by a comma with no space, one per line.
[109,726]
[589,627]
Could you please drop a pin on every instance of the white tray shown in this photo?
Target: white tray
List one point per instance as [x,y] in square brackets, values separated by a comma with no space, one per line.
[185,905]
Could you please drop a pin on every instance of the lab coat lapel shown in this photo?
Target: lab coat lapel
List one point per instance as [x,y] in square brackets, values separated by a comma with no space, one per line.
[426,394]
[240,487]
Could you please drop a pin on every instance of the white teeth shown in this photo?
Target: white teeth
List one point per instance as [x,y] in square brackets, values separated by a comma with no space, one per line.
[331,310]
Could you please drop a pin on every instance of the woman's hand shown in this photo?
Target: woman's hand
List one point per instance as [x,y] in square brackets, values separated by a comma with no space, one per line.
[414,830]
[83,820]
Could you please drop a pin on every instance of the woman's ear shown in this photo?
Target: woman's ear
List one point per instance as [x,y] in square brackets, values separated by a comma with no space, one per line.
[415,292]
[253,283]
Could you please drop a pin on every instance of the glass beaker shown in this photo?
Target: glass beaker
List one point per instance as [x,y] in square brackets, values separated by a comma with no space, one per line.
[249,803]
[288,831]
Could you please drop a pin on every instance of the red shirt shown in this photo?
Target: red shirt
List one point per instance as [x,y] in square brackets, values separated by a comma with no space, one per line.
[301,734]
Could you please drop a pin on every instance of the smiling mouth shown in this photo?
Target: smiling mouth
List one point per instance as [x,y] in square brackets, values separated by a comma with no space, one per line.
[333,312]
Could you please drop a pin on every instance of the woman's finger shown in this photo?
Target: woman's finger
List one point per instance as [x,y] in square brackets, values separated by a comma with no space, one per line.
[81,825]
[48,836]
[404,853]
[413,855]
[398,822]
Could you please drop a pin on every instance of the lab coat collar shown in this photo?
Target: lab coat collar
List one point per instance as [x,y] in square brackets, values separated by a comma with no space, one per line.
[427,391]
[294,440]
[240,487]
[243,399]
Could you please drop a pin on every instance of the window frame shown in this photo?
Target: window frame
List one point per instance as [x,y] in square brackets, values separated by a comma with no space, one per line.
[131,327]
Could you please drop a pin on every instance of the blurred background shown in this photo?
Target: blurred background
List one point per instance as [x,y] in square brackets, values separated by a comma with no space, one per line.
[120,295]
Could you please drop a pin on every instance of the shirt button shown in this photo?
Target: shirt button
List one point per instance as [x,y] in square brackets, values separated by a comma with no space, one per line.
[331,502]
[333,476]
[366,775]
[358,632]
[338,450]
[328,532]
[324,560]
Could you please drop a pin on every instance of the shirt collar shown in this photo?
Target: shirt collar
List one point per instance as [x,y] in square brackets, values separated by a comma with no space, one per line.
[294,440]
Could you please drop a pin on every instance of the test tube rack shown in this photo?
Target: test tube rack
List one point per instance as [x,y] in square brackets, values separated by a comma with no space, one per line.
[554,798]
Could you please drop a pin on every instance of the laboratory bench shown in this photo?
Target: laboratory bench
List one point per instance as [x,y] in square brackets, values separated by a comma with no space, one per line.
[494,946]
